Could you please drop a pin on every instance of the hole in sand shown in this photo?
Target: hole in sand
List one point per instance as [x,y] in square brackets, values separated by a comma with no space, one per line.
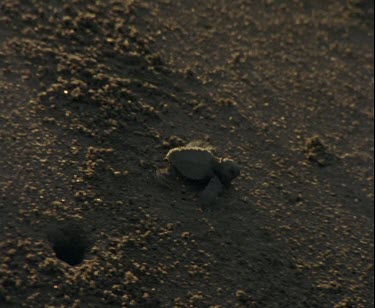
[68,241]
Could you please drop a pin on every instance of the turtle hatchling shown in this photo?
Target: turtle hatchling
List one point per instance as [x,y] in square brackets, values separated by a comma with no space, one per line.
[201,165]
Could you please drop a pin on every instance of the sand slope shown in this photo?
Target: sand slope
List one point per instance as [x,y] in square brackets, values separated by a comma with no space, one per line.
[94,94]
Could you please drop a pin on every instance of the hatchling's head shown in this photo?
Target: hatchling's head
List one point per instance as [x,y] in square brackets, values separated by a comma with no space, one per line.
[227,171]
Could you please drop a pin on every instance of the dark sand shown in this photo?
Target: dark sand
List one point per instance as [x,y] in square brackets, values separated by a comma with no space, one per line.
[94,93]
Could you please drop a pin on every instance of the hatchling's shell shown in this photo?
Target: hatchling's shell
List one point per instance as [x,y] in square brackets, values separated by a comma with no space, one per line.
[193,163]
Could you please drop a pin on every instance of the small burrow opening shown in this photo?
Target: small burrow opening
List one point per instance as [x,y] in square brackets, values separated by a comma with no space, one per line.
[68,241]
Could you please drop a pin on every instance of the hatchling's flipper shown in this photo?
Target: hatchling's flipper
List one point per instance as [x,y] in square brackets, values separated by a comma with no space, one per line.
[212,190]
[165,176]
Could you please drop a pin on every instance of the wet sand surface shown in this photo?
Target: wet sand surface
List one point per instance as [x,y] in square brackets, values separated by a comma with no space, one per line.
[93,94]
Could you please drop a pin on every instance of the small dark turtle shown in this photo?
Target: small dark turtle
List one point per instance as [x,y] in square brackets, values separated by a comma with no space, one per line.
[201,165]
